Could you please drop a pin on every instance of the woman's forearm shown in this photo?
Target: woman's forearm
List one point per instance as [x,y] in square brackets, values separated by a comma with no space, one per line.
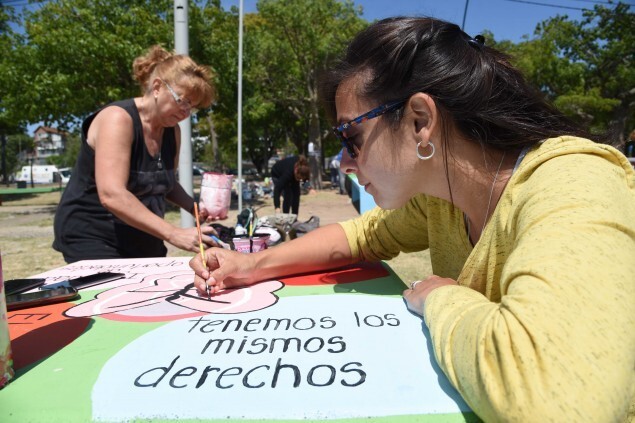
[320,249]
[179,197]
[131,211]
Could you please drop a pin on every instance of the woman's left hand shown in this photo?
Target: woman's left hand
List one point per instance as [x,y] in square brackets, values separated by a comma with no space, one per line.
[419,290]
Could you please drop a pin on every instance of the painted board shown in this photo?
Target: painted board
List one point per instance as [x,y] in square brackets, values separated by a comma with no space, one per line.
[335,346]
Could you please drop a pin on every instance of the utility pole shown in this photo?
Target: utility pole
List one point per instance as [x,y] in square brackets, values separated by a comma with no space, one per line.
[240,108]
[5,174]
[467,2]
[181,46]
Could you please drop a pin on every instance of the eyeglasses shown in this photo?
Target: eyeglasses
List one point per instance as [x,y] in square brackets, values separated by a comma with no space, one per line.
[184,104]
[377,111]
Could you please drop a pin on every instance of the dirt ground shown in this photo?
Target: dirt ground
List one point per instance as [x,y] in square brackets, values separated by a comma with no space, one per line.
[26,231]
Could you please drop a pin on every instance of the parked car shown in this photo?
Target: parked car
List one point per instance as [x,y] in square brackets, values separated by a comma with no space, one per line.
[272,161]
[197,174]
[198,170]
[65,174]
[38,174]
[249,172]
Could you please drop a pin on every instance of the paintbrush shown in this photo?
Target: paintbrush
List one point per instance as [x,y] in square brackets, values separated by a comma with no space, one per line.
[221,243]
[200,246]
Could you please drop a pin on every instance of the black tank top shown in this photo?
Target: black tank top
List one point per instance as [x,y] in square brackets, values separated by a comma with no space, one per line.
[84,229]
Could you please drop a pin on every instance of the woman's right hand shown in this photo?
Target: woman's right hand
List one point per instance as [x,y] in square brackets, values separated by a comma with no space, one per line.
[227,269]
[187,238]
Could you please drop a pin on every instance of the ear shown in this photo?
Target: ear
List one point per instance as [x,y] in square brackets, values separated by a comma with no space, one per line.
[155,86]
[423,116]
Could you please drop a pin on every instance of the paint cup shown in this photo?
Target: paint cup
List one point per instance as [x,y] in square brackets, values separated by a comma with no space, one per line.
[6,362]
[216,194]
[243,244]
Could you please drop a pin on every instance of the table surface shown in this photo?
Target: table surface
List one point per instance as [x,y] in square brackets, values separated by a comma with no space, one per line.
[337,346]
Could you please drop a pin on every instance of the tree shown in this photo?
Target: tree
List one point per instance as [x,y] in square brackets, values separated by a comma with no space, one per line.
[587,68]
[17,145]
[216,43]
[296,40]
[77,55]
[280,72]
[9,121]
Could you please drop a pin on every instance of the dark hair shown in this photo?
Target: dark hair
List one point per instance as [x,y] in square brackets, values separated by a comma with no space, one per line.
[301,169]
[474,86]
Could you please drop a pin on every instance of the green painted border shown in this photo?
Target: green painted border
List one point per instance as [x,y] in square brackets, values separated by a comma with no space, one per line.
[69,390]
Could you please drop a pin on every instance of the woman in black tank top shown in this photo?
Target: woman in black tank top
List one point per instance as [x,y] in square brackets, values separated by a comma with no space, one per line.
[114,203]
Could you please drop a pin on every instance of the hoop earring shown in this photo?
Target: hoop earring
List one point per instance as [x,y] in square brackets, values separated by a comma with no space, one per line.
[429,156]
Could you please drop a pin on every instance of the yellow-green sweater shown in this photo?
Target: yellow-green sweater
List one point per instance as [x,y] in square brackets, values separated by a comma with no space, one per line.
[542,325]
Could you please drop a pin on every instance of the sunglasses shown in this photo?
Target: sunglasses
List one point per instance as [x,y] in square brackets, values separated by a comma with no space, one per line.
[351,148]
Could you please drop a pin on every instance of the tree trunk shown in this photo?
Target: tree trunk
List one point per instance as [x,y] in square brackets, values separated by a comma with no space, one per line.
[214,137]
[5,176]
[617,126]
[315,162]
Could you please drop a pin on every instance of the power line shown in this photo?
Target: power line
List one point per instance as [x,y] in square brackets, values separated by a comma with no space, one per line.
[567,7]
[595,1]
[546,4]
[604,2]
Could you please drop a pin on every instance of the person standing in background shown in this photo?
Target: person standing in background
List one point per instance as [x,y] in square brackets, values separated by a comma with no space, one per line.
[629,148]
[334,169]
[287,175]
[341,179]
[315,166]
[114,203]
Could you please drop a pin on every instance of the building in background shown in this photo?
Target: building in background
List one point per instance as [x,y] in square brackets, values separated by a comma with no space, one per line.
[48,142]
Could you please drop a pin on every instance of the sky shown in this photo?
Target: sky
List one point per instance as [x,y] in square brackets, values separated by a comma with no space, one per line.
[506,19]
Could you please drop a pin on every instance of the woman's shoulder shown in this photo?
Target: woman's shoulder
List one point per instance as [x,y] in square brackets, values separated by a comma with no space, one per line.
[122,109]
[566,146]
[579,157]
[112,119]
[572,171]
[113,115]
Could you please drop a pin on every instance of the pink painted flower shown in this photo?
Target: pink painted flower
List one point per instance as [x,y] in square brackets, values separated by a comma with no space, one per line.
[172,296]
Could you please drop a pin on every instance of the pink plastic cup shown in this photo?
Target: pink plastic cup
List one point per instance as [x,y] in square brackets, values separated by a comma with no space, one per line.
[216,192]
[243,244]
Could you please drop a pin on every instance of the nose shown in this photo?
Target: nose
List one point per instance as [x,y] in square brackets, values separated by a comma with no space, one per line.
[348,164]
[185,112]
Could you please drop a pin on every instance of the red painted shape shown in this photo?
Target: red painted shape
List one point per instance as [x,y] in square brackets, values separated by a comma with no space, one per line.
[354,273]
[39,332]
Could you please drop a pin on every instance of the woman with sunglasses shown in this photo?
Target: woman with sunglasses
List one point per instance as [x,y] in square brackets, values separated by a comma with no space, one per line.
[114,203]
[530,224]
